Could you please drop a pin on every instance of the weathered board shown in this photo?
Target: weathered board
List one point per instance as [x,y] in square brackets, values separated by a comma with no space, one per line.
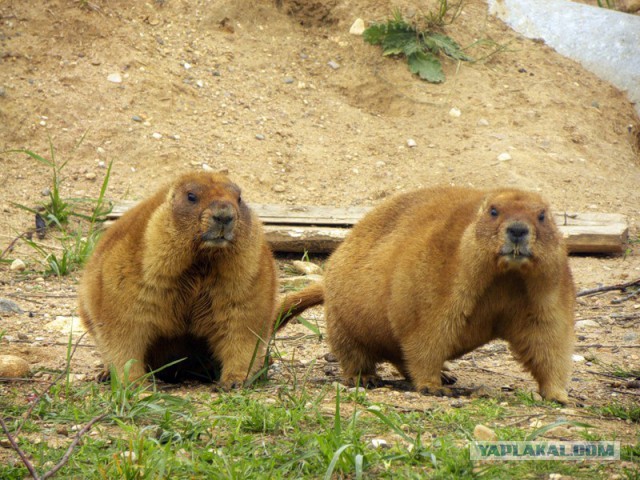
[320,229]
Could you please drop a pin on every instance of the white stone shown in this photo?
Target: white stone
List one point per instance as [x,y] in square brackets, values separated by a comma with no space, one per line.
[18,265]
[66,325]
[411,143]
[504,157]
[114,78]
[455,112]
[483,122]
[358,27]
[577,358]
[584,324]
[156,135]
[379,443]
[207,168]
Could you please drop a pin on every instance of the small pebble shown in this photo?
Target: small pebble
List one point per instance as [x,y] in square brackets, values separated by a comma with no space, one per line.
[455,112]
[90,176]
[13,367]
[186,65]
[259,136]
[207,168]
[45,192]
[330,357]
[18,266]
[358,27]
[136,118]
[288,80]
[9,306]
[199,83]
[485,434]
[411,143]
[3,92]
[577,358]
[585,324]
[379,443]
[156,135]
[102,164]
[114,78]
[333,64]
[100,151]
[278,188]
[483,122]
[504,157]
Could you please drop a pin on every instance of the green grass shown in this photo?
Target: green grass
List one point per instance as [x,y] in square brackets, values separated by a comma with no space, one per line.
[277,431]
[73,223]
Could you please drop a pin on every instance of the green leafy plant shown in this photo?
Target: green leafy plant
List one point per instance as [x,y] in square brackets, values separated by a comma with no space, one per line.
[422,47]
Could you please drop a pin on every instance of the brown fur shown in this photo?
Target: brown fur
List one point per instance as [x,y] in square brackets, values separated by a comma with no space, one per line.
[187,270]
[431,275]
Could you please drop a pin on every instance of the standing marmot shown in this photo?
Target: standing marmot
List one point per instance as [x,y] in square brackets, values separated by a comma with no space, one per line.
[185,272]
[431,275]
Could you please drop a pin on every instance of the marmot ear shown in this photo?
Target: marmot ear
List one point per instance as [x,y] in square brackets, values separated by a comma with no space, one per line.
[484,205]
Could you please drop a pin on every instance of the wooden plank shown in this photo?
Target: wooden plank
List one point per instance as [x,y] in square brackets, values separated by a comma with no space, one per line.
[320,229]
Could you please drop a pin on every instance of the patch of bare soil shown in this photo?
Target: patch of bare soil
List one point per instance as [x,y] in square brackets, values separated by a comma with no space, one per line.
[246,86]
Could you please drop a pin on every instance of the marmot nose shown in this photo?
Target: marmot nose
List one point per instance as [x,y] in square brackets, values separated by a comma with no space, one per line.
[517,232]
[223,215]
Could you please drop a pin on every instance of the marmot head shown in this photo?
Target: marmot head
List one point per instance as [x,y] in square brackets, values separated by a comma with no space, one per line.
[209,207]
[517,227]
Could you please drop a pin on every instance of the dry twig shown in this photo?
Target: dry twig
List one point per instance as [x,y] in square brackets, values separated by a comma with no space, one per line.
[609,288]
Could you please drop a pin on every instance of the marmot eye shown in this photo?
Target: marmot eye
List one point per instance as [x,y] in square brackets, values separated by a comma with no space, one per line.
[541,216]
[192,197]
[494,212]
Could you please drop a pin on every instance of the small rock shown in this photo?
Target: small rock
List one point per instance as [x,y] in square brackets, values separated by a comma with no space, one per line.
[22,335]
[45,192]
[137,118]
[102,164]
[66,325]
[358,27]
[156,135]
[380,443]
[13,367]
[208,168]
[18,265]
[483,122]
[630,337]
[199,83]
[100,151]
[259,136]
[456,403]
[278,188]
[186,65]
[8,306]
[536,397]
[577,358]
[306,268]
[90,176]
[3,92]
[330,357]
[288,80]
[484,434]
[411,143]
[504,157]
[333,65]
[585,324]
[455,112]
[555,476]
[114,78]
